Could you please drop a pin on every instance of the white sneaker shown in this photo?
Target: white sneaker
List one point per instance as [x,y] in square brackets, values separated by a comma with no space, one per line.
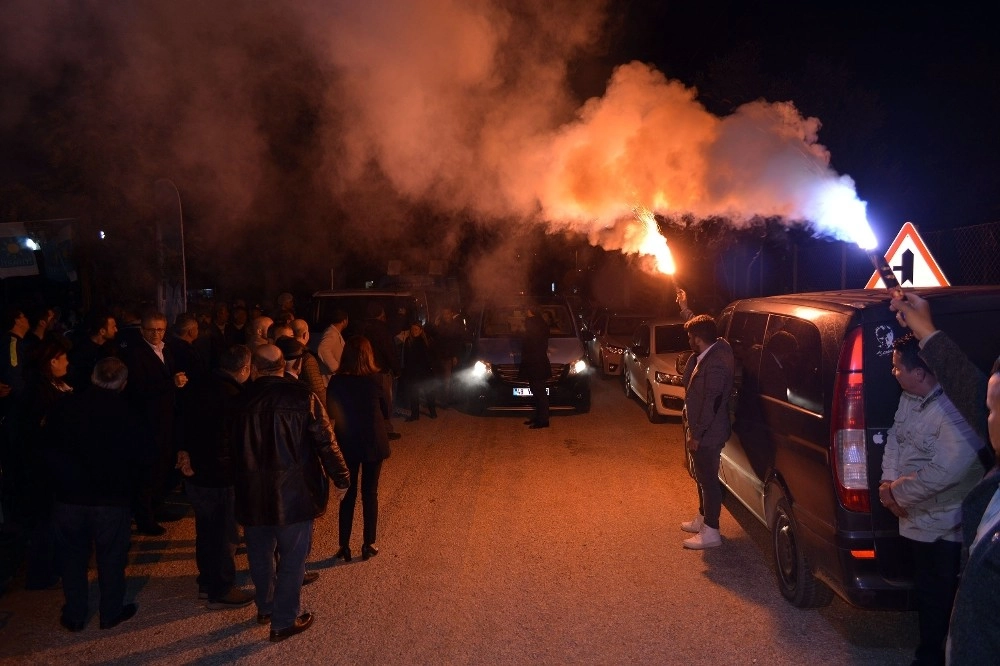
[708,537]
[694,525]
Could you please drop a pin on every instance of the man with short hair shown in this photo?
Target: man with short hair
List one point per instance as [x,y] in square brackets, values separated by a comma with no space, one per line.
[13,358]
[205,460]
[708,383]
[257,331]
[152,387]
[310,371]
[974,632]
[95,446]
[188,356]
[283,442]
[96,343]
[377,331]
[928,466]
[331,347]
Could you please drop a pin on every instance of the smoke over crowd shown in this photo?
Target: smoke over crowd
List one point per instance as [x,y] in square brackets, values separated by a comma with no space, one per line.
[386,123]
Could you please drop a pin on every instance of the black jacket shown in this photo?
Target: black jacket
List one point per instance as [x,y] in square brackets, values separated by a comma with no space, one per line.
[207,406]
[534,351]
[359,408]
[383,345]
[282,443]
[95,445]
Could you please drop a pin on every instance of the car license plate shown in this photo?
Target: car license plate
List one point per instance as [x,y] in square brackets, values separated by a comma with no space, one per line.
[521,392]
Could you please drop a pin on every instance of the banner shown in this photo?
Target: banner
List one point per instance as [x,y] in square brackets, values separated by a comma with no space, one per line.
[16,259]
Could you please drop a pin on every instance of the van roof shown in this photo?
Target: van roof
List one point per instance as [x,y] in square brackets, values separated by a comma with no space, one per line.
[860,299]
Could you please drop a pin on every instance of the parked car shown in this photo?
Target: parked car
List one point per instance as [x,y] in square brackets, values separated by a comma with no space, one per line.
[653,365]
[612,332]
[490,380]
[813,399]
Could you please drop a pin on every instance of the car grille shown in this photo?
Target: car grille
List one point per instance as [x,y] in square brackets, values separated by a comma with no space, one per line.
[510,373]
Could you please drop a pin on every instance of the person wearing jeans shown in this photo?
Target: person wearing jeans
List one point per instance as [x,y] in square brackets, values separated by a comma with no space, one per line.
[284,448]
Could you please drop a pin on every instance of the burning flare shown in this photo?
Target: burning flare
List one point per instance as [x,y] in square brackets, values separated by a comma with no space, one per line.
[652,243]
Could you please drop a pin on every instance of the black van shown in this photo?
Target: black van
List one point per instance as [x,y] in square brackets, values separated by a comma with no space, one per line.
[813,398]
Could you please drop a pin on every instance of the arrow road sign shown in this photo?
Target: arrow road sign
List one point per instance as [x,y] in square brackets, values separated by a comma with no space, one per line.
[911,261]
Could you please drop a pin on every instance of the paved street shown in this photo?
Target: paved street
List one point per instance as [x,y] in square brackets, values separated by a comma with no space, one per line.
[498,545]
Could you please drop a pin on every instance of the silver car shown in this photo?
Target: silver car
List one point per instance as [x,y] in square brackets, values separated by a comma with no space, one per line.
[612,333]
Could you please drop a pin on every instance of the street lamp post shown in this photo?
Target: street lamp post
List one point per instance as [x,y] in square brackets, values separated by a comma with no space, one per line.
[180,223]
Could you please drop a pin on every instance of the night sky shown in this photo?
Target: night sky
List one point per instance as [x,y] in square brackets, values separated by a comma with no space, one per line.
[907,92]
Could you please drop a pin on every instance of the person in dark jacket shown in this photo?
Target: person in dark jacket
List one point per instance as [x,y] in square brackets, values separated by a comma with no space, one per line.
[381,338]
[535,366]
[96,446]
[46,388]
[418,369]
[152,389]
[358,405]
[206,463]
[282,443]
[708,383]
[96,342]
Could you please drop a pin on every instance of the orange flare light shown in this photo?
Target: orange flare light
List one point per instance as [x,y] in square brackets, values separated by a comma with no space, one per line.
[653,243]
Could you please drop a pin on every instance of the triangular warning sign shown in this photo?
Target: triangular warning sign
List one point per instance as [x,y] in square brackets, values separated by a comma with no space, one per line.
[911,261]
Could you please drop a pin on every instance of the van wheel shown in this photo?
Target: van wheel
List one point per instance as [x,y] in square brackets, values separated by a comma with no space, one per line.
[651,413]
[795,575]
[626,383]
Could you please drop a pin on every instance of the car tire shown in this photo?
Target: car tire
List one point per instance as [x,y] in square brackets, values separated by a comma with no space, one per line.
[651,413]
[795,575]
[626,383]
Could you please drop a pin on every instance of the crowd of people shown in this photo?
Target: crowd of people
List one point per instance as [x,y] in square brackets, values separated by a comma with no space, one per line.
[103,423]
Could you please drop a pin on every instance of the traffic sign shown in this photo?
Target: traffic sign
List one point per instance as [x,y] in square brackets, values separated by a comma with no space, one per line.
[911,261]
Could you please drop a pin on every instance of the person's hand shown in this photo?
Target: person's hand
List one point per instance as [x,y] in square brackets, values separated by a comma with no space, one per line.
[4,390]
[682,299]
[887,500]
[180,379]
[913,312]
[184,463]
[341,493]
[692,444]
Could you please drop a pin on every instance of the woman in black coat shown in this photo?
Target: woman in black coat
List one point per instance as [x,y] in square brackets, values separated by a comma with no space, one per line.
[359,409]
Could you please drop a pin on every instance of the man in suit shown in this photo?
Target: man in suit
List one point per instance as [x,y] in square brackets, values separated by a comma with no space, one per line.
[708,382]
[152,384]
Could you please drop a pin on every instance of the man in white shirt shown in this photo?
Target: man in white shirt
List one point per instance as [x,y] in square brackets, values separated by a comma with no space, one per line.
[331,347]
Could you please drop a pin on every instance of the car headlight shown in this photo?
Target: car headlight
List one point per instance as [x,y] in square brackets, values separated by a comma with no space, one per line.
[612,349]
[578,367]
[481,369]
[668,378]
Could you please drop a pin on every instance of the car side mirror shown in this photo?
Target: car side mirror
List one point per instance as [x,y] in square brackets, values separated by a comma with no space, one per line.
[640,350]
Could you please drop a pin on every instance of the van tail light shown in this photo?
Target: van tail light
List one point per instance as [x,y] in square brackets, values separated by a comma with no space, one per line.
[848,447]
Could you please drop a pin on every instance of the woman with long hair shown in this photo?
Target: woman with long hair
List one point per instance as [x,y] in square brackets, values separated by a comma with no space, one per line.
[359,408]
[46,385]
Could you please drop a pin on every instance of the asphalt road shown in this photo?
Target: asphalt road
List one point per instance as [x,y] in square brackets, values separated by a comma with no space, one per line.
[499,545]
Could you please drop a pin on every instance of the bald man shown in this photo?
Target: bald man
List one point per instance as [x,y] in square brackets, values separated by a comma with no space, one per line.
[283,442]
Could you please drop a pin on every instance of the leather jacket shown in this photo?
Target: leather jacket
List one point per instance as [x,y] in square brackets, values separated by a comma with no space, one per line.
[282,443]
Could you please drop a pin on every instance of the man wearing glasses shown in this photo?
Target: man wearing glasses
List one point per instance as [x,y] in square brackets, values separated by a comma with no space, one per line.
[152,384]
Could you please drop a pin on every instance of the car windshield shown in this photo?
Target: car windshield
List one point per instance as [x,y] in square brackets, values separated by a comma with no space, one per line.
[504,322]
[671,338]
[623,325]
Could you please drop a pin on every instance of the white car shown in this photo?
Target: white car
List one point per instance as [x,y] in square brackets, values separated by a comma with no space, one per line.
[653,364]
